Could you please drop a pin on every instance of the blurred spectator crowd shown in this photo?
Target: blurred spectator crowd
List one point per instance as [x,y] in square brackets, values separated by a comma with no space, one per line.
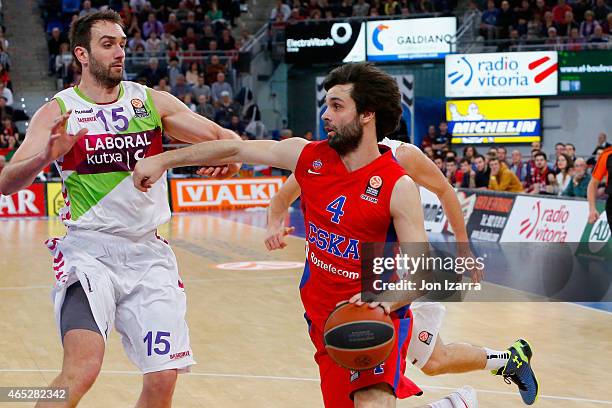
[561,24]
[561,173]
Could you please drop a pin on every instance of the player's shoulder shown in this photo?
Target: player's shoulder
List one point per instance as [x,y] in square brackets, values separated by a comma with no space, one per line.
[398,147]
[48,112]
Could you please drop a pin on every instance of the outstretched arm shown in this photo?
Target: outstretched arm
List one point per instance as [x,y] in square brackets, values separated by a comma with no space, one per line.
[425,173]
[283,154]
[277,212]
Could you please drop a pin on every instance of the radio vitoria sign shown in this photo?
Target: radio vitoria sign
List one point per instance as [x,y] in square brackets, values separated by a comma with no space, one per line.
[501,74]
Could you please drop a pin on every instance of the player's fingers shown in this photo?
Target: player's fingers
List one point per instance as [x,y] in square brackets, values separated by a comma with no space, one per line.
[289,230]
[215,172]
[267,243]
[224,170]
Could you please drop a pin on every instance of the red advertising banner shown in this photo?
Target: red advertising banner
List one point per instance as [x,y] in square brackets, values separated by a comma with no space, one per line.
[205,194]
[29,202]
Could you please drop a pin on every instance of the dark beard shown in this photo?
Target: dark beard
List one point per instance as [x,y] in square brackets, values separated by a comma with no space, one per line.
[347,138]
[103,75]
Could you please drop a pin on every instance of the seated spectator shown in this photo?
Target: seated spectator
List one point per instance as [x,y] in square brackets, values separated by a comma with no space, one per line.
[575,42]
[226,42]
[153,44]
[518,166]
[607,25]
[214,69]
[558,183]
[538,178]
[466,168]
[577,187]
[453,174]
[308,135]
[559,150]
[553,39]
[489,25]
[3,140]
[429,137]
[214,14]
[13,144]
[153,73]
[559,11]
[7,93]
[173,26]
[598,37]
[53,46]
[192,23]
[5,110]
[226,109]
[570,150]
[200,88]
[193,74]
[444,133]
[439,162]
[189,38]
[190,56]
[481,176]
[205,39]
[181,88]
[63,61]
[163,86]
[173,71]
[601,10]
[152,26]
[469,152]
[220,86]
[8,127]
[505,19]
[502,178]
[87,9]
[502,154]
[587,27]
[135,41]
[547,24]
[602,142]
[188,101]
[564,29]
[166,39]
[428,150]
[361,9]
[205,108]
[534,27]
[236,125]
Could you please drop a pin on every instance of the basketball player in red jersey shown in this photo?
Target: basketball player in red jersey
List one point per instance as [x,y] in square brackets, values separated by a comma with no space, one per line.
[340,213]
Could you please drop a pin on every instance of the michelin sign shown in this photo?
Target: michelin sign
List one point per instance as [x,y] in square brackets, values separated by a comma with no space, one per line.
[494,120]
[501,74]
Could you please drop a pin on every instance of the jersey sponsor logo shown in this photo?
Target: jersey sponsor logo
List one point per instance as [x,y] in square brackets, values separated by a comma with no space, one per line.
[83,111]
[180,355]
[425,337]
[87,119]
[139,108]
[106,153]
[334,244]
[198,194]
[317,165]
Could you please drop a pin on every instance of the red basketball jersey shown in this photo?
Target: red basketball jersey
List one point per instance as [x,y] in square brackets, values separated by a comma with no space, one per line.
[342,210]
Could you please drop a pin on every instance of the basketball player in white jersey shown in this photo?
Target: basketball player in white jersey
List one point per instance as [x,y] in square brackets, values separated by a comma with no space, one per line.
[426,349]
[112,269]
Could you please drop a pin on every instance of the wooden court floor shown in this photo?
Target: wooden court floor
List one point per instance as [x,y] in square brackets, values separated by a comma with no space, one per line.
[249,337]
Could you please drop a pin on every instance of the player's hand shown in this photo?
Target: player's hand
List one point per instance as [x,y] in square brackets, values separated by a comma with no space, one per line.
[593,215]
[60,142]
[464,251]
[146,172]
[275,237]
[356,300]
[220,172]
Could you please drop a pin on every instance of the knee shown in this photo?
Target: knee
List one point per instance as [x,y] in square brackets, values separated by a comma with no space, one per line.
[80,378]
[160,384]
[436,364]
[377,396]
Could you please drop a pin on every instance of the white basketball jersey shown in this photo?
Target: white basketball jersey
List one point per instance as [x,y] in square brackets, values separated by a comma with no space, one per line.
[96,172]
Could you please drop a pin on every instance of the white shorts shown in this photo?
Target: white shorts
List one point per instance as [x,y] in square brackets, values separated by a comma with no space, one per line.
[133,286]
[427,320]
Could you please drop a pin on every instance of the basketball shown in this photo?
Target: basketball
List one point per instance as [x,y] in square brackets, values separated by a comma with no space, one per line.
[359,338]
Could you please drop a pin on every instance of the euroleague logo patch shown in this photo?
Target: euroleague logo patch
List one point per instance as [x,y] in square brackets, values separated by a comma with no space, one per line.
[425,337]
[139,109]
[373,189]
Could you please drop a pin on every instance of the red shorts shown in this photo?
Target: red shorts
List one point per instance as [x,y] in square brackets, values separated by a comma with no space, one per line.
[338,384]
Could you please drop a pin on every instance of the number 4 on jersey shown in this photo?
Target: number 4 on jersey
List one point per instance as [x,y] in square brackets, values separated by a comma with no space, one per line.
[335,207]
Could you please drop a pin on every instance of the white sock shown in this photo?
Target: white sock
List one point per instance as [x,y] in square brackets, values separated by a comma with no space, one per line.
[496,359]
[443,403]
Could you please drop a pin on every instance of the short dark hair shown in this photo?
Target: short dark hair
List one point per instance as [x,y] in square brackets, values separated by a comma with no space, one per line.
[373,91]
[450,160]
[503,148]
[559,144]
[479,156]
[570,144]
[493,158]
[80,29]
[464,160]
[540,153]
